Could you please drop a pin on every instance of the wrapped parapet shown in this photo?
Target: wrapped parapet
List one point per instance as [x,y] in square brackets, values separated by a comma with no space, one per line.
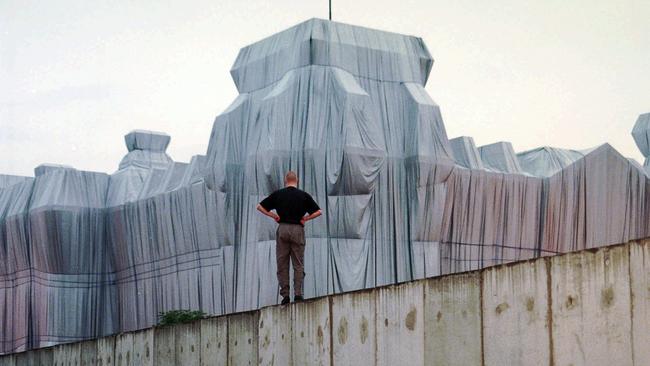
[500,157]
[146,150]
[48,167]
[146,153]
[465,152]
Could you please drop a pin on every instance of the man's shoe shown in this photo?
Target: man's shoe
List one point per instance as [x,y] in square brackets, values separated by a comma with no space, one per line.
[298,299]
[285,300]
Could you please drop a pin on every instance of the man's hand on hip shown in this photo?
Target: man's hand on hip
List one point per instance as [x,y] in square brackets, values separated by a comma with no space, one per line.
[310,217]
[268,213]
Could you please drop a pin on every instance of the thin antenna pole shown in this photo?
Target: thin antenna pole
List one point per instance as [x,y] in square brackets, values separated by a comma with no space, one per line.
[330,9]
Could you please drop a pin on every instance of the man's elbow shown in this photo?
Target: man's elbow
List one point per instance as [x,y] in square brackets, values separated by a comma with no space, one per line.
[260,208]
[317,213]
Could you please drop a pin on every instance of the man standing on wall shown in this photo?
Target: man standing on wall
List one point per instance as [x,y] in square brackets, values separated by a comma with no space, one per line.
[291,205]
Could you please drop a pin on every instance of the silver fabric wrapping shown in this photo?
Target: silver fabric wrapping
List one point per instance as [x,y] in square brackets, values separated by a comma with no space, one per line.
[465,152]
[9,180]
[641,134]
[546,161]
[85,254]
[500,157]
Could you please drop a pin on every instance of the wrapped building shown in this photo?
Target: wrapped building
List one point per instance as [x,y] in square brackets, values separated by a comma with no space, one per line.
[87,254]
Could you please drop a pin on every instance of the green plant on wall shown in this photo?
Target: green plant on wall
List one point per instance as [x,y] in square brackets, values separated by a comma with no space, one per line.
[179,316]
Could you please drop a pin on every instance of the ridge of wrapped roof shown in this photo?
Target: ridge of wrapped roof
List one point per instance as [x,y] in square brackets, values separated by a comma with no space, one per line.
[546,160]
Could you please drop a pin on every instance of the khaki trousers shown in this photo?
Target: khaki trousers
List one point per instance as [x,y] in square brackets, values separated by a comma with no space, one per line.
[290,244]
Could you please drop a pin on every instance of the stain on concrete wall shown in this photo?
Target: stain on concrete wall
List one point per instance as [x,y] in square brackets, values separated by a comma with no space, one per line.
[452,316]
[400,324]
[355,332]
[214,341]
[591,308]
[515,311]
[311,333]
[242,338]
[275,334]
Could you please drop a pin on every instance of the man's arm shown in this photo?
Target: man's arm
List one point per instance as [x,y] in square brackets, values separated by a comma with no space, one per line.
[268,213]
[310,216]
[310,206]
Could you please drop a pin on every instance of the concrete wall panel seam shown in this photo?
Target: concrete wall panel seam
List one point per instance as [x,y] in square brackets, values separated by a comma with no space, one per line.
[549,304]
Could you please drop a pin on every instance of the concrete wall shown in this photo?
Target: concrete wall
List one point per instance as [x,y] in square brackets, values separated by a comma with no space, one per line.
[584,308]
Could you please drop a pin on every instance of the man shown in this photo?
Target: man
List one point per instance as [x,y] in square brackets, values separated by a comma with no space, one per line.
[290,205]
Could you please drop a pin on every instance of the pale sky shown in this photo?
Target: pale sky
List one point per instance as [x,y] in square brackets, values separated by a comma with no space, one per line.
[75,76]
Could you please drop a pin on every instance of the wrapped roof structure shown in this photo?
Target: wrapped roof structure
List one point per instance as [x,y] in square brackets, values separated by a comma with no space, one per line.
[500,157]
[465,152]
[546,161]
[641,134]
[86,254]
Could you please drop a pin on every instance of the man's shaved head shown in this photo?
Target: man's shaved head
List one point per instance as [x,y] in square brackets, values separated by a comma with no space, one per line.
[291,177]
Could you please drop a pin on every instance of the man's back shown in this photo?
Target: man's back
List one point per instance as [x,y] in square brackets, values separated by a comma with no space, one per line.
[291,204]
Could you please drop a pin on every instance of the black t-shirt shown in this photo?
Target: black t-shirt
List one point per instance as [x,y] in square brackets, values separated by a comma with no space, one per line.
[291,204]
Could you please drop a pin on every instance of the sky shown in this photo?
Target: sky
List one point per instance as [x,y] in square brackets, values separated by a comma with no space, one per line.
[76,76]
